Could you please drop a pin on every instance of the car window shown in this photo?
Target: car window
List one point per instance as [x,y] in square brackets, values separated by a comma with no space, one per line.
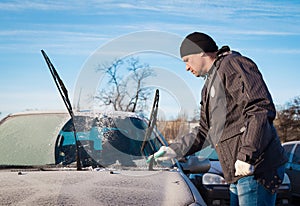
[288,149]
[29,139]
[105,141]
[296,157]
[47,140]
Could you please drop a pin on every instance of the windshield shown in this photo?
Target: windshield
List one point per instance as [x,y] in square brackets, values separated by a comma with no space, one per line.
[208,152]
[104,141]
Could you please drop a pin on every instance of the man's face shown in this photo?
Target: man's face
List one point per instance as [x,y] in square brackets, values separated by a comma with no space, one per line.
[195,63]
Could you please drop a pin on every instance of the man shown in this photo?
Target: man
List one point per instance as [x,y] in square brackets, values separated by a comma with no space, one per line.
[236,117]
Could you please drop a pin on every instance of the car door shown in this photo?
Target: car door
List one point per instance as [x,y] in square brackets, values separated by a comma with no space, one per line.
[293,170]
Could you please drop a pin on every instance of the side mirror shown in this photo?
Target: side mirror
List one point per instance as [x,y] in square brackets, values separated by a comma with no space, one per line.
[194,165]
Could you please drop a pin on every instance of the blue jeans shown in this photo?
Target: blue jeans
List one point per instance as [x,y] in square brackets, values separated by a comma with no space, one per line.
[248,191]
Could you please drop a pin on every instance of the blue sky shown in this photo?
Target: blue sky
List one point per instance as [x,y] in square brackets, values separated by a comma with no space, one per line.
[71,31]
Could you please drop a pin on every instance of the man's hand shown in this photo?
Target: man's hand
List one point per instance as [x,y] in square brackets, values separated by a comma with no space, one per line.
[164,153]
[243,168]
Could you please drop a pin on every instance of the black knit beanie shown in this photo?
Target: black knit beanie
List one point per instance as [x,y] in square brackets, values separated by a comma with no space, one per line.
[196,43]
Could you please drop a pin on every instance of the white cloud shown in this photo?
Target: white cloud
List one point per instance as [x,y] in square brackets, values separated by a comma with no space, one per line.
[62,41]
[179,7]
[18,5]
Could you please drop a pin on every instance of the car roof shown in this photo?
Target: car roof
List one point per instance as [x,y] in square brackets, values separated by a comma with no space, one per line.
[84,113]
[291,142]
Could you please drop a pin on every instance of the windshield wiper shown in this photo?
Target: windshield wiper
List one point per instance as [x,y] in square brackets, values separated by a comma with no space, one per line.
[152,120]
[27,167]
[64,94]
[151,125]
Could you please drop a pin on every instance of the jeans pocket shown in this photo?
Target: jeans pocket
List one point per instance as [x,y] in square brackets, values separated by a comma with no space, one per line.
[246,185]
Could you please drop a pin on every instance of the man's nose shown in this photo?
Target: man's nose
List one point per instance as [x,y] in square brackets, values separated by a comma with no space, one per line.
[187,67]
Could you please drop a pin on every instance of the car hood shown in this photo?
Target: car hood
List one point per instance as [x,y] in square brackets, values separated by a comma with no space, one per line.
[94,188]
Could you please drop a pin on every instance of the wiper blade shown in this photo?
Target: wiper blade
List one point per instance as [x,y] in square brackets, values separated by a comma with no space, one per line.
[152,120]
[64,94]
[17,168]
[149,130]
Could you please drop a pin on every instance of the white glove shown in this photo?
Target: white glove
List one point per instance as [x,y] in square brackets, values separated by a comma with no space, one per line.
[164,153]
[243,168]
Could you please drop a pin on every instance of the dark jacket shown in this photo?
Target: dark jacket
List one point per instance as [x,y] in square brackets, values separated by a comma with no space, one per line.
[236,117]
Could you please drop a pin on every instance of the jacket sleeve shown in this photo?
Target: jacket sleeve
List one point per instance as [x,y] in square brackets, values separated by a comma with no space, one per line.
[258,110]
[194,141]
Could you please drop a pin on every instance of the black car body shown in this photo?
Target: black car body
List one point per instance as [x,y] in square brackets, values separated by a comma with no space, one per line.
[292,167]
[39,162]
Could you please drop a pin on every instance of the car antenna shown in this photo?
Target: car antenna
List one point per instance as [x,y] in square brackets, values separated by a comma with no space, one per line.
[64,94]
[152,120]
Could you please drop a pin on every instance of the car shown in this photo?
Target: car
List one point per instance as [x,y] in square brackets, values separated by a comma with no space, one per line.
[292,167]
[215,190]
[48,158]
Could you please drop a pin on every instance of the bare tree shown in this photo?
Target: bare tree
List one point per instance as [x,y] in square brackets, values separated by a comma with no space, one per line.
[287,121]
[125,93]
[140,73]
